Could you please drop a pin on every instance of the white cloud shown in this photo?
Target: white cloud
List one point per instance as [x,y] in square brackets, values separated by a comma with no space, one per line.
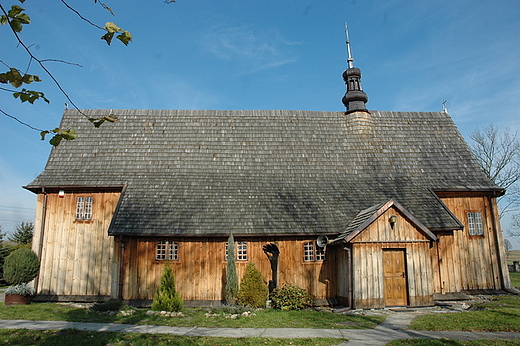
[254,49]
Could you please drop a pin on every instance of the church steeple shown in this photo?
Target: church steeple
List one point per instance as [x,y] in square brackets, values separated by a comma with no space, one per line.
[355,98]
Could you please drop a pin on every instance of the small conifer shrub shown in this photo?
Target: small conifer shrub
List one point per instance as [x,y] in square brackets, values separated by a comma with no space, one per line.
[167,298]
[231,288]
[21,266]
[290,297]
[253,290]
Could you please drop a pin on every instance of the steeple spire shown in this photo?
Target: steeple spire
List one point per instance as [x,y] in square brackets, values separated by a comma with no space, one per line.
[355,98]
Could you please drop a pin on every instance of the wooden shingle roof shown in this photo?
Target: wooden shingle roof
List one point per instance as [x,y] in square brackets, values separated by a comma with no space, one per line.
[264,172]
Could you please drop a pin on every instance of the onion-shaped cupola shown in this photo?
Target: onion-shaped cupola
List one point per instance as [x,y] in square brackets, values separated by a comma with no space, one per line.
[355,98]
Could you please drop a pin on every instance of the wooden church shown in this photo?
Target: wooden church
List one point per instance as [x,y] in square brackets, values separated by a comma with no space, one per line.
[364,208]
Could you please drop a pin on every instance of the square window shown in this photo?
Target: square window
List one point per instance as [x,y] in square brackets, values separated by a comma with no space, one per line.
[241,251]
[312,252]
[167,250]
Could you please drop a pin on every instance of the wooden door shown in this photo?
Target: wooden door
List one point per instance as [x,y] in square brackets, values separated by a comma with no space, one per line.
[394,269]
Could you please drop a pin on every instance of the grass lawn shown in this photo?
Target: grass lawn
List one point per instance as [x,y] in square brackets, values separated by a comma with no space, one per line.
[443,342]
[515,279]
[268,318]
[79,338]
[499,315]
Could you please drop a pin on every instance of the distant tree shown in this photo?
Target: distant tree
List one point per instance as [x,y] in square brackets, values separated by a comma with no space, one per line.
[4,252]
[23,233]
[231,272]
[498,154]
[515,226]
[508,245]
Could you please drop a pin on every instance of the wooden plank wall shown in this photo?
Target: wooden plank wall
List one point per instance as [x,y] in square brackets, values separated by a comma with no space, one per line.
[201,269]
[367,262]
[77,257]
[464,262]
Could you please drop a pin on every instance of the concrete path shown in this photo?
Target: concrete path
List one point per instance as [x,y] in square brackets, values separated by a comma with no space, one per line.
[393,328]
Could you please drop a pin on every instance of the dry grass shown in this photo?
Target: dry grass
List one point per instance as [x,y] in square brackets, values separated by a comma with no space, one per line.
[513,255]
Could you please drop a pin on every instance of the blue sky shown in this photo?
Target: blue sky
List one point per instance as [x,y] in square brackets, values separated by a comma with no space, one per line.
[259,55]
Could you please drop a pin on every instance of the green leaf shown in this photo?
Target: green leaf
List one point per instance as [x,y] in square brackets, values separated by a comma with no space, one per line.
[56,140]
[24,18]
[43,134]
[30,95]
[108,37]
[125,37]
[14,11]
[3,20]
[16,25]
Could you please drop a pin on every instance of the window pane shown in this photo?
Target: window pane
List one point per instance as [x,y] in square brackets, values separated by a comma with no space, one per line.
[320,253]
[475,223]
[160,250]
[241,251]
[308,251]
[79,208]
[87,214]
[173,251]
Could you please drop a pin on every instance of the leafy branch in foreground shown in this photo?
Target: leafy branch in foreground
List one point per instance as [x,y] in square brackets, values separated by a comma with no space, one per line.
[16,18]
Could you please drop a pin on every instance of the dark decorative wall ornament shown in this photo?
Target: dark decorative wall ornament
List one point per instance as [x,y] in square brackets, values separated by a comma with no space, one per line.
[272,253]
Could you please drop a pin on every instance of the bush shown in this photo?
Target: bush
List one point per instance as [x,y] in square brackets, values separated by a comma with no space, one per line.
[253,290]
[231,288]
[109,305]
[22,289]
[21,266]
[290,297]
[167,299]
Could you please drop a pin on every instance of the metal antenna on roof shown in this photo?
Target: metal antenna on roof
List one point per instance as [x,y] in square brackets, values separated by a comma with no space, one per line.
[350,59]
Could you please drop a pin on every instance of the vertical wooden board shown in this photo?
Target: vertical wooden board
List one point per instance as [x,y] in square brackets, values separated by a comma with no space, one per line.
[505,280]
[356,275]
[114,278]
[494,275]
[35,244]
[43,280]
[52,246]
[434,263]
[413,270]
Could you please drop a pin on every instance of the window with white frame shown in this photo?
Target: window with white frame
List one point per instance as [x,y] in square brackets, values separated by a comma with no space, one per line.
[167,250]
[84,208]
[308,251]
[312,252]
[241,251]
[475,223]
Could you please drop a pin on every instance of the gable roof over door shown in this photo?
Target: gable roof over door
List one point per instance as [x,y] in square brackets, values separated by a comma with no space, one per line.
[366,217]
[263,172]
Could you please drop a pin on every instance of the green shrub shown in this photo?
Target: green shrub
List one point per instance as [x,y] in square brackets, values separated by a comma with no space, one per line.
[167,298]
[109,305]
[253,291]
[22,265]
[231,272]
[290,297]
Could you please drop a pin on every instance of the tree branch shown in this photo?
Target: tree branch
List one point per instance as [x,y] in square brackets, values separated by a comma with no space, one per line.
[21,122]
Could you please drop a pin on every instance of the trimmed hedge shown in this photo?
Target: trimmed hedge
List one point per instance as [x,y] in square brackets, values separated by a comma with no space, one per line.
[22,265]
